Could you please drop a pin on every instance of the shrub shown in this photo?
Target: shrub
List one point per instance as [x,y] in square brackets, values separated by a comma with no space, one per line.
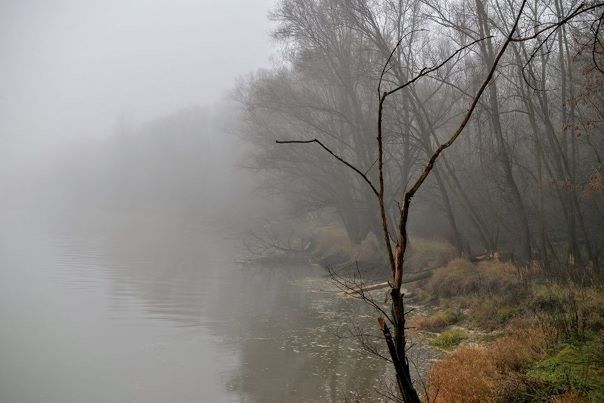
[467,375]
[461,277]
[522,344]
[456,278]
[498,277]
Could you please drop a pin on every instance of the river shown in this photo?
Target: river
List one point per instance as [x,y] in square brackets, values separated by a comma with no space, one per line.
[99,306]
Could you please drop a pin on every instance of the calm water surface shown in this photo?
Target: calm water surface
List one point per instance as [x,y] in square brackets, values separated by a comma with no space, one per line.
[108,307]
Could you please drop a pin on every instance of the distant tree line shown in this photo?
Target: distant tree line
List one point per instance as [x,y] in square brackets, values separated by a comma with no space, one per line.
[182,163]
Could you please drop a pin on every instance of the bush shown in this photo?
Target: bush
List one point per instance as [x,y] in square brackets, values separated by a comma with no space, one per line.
[457,278]
[461,277]
[467,375]
[498,277]
[523,344]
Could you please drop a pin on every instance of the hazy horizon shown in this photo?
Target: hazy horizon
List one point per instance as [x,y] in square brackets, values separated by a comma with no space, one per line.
[76,69]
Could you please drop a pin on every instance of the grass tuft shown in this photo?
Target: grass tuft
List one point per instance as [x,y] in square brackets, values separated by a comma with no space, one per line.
[576,367]
[437,321]
[449,339]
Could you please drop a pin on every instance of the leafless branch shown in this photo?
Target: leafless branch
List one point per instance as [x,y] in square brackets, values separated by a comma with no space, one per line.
[597,42]
[342,160]
[427,70]
[580,9]
[551,29]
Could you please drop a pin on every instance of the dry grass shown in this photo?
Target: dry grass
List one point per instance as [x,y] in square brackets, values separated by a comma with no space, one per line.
[493,312]
[522,344]
[437,321]
[498,277]
[550,348]
[573,310]
[456,278]
[569,397]
[467,375]
[501,371]
[461,277]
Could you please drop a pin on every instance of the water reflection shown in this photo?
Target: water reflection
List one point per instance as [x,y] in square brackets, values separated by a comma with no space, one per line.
[155,309]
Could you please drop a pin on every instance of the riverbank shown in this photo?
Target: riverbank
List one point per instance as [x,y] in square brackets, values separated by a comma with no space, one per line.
[510,335]
[484,331]
[329,247]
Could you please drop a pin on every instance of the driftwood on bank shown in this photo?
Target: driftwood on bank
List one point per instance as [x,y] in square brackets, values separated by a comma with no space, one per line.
[484,257]
[412,278]
[363,289]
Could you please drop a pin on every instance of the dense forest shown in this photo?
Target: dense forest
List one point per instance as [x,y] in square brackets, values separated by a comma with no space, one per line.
[524,179]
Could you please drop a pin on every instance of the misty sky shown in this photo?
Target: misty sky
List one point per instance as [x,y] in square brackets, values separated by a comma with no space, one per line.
[72,68]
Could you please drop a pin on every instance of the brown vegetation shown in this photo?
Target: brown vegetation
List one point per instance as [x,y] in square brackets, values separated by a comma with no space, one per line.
[461,277]
[548,344]
[436,321]
[468,374]
[499,371]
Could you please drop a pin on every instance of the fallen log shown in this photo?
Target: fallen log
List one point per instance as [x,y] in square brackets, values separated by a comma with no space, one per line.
[486,256]
[359,290]
[362,289]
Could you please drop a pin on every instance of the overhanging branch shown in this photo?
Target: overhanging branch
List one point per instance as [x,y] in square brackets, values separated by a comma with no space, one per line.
[342,160]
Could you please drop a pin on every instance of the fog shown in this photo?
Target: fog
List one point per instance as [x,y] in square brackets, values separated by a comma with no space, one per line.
[124,202]
[73,70]
[215,200]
